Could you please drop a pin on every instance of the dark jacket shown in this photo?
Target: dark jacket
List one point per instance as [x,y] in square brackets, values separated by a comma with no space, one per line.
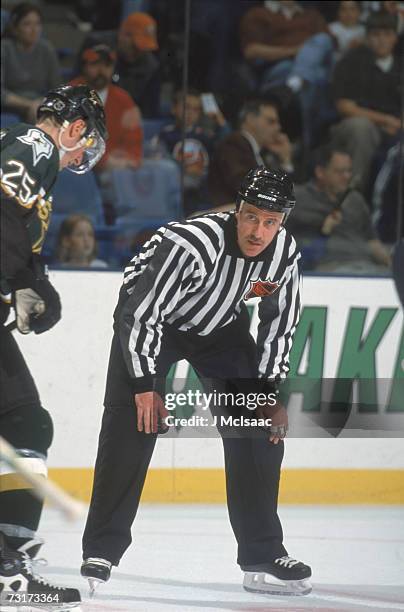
[357,77]
[233,158]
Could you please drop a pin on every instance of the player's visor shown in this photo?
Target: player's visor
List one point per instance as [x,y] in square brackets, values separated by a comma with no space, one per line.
[94,149]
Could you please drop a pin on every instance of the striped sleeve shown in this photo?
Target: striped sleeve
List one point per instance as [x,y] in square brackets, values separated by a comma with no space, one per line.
[171,272]
[278,319]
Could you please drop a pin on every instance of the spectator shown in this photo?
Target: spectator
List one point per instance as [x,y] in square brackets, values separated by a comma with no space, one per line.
[286,44]
[258,141]
[390,6]
[394,8]
[198,146]
[137,68]
[124,147]
[367,96]
[76,244]
[348,30]
[29,65]
[331,221]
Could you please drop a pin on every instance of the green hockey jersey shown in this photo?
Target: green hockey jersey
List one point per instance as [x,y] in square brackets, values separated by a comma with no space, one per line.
[29,169]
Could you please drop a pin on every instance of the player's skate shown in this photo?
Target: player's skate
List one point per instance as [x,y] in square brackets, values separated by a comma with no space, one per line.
[96,571]
[19,586]
[31,548]
[284,576]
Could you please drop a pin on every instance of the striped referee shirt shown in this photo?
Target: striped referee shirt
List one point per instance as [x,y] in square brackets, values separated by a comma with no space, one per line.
[192,275]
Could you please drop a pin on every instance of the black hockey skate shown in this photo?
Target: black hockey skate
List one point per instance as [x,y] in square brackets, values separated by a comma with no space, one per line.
[283,576]
[19,586]
[96,571]
[31,548]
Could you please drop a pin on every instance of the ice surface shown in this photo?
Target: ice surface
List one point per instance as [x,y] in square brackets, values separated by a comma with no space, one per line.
[183,559]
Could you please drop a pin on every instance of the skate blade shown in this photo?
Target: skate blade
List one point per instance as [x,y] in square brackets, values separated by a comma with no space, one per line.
[266,584]
[93,583]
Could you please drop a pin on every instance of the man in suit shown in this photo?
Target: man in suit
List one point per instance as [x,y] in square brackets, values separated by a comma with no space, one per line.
[258,141]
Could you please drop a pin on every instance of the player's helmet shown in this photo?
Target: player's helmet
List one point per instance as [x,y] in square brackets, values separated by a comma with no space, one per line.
[68,103]
[267,189]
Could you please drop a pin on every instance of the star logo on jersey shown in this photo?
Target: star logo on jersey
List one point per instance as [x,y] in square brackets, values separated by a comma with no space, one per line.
[261,288]
[41,146]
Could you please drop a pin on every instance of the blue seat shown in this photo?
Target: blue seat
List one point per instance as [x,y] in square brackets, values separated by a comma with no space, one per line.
[117,244]
[7,119]
[78,194]
[152,127]
[73,194]
[148,194]
[49,246]
[312,252]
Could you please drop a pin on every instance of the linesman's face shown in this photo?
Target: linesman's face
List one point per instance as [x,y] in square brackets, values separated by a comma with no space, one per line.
[256,228]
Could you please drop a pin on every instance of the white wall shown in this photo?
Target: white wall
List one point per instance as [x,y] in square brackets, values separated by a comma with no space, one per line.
[69,365]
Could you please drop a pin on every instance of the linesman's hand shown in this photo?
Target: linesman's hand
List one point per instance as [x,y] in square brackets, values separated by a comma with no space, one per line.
[151,412]
[279,418]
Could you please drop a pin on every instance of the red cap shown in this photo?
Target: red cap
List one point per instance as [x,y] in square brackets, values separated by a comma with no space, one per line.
[98,53]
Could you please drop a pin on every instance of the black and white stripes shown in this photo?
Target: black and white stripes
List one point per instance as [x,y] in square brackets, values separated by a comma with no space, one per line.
[193,276]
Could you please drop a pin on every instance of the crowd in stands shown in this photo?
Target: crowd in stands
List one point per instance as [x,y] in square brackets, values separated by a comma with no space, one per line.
[202,131]
[312,88]
[76,244]
[257,141]
[29,63]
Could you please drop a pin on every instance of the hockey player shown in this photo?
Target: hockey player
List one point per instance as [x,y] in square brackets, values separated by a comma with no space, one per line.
[183,297]
[70,133]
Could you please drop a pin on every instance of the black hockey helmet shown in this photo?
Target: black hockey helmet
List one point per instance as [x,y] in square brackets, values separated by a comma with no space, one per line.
[268,189]
[70,102]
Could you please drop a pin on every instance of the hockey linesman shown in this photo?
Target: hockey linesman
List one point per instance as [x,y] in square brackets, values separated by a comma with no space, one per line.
[70,133]
[183,298]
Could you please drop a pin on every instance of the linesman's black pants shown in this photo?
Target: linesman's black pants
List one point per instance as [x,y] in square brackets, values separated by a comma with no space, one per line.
[252,463]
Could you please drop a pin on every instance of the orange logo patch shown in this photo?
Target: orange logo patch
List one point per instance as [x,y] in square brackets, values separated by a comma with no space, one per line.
[261,288]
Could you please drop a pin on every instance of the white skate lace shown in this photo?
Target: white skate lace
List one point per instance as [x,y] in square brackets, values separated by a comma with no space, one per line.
[30,544]
[286,561]
[27,564]
[41,561]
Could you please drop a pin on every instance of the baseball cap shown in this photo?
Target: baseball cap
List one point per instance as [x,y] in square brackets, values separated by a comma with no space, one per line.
[143,29]
[98,53]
